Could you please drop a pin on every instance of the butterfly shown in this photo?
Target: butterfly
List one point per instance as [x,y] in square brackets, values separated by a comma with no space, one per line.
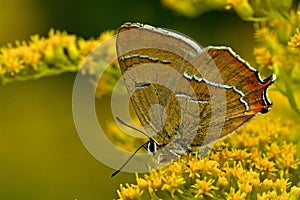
[185,96]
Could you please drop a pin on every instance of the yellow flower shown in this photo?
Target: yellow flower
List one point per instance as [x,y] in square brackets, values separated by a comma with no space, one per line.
[245,140]
[10,59]
[222,156]
[295,192]
[178,166]
[295,40]
[247,180]
[204,187]
[273,150]
[261,33]
[54,37]
[253,178]
[232,195]
[106,35]
[173,183]
[287,159]
[32,58]
[86,46]
[263,57]
[141,183]
[193,166]
[236,171]
[222,182]
[129,193]
[267,184]
[283,196]
[265,165]
[267,195]
[281,184]
[208,166]
[240,154]
[38,44]
[231,173]
[60,52]
[245,187]
[155,179]
[255,154]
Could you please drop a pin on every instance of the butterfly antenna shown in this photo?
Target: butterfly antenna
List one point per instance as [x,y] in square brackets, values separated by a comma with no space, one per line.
[122,122]
[116,172]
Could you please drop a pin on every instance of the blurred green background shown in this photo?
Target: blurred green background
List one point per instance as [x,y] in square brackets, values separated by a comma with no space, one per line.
[41,154]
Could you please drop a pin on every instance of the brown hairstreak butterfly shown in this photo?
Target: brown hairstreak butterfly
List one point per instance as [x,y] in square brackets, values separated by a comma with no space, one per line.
[186,97]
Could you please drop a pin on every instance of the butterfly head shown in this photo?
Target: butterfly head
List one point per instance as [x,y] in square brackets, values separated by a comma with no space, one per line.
[151,147]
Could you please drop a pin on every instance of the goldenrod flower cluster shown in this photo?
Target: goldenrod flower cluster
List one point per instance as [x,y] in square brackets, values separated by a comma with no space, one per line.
[45,56]
[295,40]
[258,162]
[277,51]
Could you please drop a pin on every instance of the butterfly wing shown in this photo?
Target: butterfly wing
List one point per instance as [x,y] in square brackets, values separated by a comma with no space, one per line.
[245,92]
[184,95]
[141,50]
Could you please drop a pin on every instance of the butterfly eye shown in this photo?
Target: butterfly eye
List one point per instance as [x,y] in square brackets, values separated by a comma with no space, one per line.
[152,147]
